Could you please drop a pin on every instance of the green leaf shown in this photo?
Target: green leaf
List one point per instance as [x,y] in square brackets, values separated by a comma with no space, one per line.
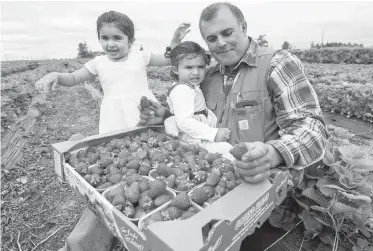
[310,222]
[338,207]
[362,243]
[357,198]
[316,196]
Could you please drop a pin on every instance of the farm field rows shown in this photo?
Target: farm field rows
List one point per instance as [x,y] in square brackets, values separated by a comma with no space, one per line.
[37,210]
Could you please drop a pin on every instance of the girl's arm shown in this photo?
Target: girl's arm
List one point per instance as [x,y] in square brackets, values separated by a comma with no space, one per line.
[179,34]
[66,79]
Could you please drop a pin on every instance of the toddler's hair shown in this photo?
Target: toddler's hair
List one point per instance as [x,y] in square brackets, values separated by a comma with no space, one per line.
[121,21]
[187,49]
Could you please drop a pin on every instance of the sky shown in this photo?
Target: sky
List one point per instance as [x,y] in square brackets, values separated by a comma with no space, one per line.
[47,30]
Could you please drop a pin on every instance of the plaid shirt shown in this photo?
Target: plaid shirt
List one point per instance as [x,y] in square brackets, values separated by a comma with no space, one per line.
[303,134]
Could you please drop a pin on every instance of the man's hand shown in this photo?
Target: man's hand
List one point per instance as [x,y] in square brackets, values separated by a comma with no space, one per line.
[153,114]
[255,164]
[222,135]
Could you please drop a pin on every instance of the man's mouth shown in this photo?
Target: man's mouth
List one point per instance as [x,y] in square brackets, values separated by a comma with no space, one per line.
[223,52]
[195,79]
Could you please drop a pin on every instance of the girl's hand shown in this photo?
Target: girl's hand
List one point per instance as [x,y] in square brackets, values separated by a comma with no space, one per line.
[46,83]
[222,135]
[181,32]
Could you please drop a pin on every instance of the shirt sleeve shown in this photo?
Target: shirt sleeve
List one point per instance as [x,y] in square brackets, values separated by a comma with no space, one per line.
[303,135]
[146,57]
[91,65]
[182,98]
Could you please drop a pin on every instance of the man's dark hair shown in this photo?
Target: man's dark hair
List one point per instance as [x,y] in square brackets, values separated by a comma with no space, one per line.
[210,11]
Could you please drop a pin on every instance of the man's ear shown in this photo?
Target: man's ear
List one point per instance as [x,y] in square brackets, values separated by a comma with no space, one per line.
[244,27]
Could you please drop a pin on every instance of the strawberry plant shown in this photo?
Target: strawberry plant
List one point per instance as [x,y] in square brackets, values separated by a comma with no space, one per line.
[334,198]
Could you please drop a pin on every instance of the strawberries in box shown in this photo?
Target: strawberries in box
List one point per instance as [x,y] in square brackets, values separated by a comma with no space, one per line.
[217,226]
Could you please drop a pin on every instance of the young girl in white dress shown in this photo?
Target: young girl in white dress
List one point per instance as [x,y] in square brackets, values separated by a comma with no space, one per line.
[192,121]
[121,72]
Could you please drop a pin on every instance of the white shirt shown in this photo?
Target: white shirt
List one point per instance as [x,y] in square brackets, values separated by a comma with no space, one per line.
[184,101]
[123,84]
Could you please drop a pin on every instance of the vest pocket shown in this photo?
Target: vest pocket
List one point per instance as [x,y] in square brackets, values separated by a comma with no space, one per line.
[249,124]
[211,100]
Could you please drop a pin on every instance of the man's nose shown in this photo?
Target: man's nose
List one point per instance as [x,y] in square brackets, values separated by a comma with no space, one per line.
[221,41]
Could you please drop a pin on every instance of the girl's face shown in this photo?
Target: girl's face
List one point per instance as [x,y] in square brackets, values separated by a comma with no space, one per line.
[114,42]
[191,70]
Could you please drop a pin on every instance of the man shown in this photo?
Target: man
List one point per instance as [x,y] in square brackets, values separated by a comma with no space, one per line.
[262,96]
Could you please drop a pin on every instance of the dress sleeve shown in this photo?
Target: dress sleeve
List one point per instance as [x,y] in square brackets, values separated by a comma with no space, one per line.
[182,98]
[92,65]
[146,57]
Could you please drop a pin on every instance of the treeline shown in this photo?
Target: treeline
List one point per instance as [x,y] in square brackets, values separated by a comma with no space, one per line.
[335,44]
[336,55]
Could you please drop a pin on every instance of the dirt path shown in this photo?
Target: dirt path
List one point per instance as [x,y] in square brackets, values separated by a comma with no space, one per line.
[34,203]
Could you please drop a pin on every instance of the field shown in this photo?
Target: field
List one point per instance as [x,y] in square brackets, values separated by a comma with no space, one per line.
[38,212]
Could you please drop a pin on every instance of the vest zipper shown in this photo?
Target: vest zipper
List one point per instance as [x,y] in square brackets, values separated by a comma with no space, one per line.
[225,102]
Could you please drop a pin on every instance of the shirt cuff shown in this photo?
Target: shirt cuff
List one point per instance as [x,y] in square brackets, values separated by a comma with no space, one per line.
[284,151]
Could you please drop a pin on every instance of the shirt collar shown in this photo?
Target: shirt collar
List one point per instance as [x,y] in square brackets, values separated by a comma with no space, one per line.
[250,58]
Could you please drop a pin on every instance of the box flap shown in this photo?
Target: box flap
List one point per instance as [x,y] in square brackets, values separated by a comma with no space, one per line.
[228,208]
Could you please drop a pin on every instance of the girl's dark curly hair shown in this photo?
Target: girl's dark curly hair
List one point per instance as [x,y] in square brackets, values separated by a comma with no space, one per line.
[187,49]
[121,21]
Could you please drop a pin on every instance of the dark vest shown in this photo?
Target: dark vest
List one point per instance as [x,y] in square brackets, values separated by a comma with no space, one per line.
[247,109]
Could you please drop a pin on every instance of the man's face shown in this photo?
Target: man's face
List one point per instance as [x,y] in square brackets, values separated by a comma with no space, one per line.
[225,37]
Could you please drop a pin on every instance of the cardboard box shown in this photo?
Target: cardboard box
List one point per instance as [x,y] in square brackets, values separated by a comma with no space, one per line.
[236,215]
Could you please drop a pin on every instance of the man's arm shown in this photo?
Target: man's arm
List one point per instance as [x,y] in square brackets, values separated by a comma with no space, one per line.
[303,134]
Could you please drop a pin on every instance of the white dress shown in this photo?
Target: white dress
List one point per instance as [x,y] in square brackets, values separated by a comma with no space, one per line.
[123,84]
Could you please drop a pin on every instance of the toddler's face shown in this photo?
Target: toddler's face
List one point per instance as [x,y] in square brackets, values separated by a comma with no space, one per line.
[114,42]
[191,70]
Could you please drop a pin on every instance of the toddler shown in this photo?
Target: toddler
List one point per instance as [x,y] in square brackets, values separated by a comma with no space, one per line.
[192,121]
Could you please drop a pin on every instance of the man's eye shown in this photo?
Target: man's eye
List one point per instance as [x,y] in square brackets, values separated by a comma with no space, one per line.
[211,40]
[227,33]
[117,38]
[188,67]
[104,38]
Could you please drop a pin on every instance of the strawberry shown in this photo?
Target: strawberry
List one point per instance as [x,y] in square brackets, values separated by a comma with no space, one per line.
[239,181]
[81,154]
[141,154]
[82,168]
[94,169]
[229,175]
[212,179]
[144,102]
[114,178]
[146,203]
[183,185]
[210,190]
[222,183]
[132,178]
[187,215]
[93,157]
[218,162]
[164,170]
[183,167]
[133,164]
[199,177]
[210,157]
[199,196]
[94,180]
[177,172]
[181,201]
[156,188]
[124,154]
[171,213]
[122,162]
[161,199]
[238,150]
[130,172]
[220,191]
[129,211]
[170,180]
[161,137]
[231,184]
[105,185]
[91,149]
[105,161]
[132,193]
[144,170]
[172,145]
[143,185]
